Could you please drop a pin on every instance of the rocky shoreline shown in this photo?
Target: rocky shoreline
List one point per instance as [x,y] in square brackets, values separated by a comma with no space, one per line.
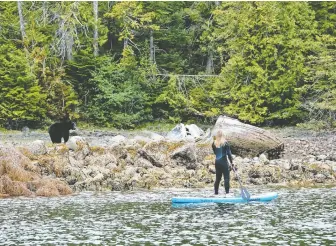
[96,161]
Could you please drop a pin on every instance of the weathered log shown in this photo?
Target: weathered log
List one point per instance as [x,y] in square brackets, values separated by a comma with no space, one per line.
[247,140]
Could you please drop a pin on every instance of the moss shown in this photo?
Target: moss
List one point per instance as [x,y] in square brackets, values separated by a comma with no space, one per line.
[80,146]
[13,188]
[16,173]
[314,166]
[45,161]
[27,153]
[49,188]
[97,149]
[141,143]
[209,158]
[318,168]
[49,145]
[173,146]
[60,149]
[58,168]
[132,151]
[203,145]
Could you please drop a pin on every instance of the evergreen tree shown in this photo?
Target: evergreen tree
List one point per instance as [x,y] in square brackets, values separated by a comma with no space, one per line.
[265,45]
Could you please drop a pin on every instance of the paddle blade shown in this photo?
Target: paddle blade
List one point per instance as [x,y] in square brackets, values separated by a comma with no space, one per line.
[245,194]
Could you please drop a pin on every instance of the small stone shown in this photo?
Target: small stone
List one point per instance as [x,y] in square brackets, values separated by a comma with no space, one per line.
[286,165]
[321,157]
[263,159]
[212,170]
[320,178]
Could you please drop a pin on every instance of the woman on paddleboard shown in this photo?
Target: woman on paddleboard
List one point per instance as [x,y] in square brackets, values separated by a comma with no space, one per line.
[222,151]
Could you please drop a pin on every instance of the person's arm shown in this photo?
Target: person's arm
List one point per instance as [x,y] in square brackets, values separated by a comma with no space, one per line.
[229,154]
[213,147]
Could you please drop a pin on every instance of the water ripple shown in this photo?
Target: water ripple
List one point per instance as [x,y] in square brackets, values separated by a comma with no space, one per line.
[298,216]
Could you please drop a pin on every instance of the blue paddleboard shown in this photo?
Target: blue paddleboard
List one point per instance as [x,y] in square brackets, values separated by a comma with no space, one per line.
[257,198]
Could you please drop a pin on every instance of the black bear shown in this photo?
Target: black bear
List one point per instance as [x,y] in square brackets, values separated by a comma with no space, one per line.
[60,130]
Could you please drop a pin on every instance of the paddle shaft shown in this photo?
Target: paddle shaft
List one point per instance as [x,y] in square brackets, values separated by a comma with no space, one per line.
[245,194]
[234,170]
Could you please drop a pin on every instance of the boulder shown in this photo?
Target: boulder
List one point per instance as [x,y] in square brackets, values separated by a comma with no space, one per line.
[106,160]
[80,147]
[194,131]
[76,143]
[155,153]
[37,147]
[185,156]
[179,132]
[248,140]
[141,162]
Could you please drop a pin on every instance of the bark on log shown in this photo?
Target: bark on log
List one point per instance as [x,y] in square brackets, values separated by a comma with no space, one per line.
[248,140]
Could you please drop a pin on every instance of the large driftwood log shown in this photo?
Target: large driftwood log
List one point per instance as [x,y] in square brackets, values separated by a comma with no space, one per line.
[248,140]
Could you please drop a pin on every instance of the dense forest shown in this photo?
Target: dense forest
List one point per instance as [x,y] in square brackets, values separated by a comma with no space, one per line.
[125,64]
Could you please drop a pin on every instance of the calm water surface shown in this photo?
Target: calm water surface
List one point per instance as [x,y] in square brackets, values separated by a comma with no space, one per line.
[297,217]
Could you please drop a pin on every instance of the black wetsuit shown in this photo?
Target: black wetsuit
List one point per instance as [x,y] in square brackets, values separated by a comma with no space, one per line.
[222,165]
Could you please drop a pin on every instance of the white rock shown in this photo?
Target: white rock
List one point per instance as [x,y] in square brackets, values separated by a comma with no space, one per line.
[178,132]
[321,157]
[37,147]
[286,165]
[76,142]
[263,159]
[189,138]
[194,131]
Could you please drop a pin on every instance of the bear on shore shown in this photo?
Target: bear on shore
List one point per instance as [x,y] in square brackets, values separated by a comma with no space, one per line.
[60,130]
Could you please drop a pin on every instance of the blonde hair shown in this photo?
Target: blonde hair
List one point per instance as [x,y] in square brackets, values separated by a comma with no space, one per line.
[220,139]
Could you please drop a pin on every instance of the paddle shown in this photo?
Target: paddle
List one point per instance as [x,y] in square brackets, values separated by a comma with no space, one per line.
[244,193]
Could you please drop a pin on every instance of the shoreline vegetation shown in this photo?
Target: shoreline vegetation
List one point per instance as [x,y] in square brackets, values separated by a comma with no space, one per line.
[126,64]
[113,161]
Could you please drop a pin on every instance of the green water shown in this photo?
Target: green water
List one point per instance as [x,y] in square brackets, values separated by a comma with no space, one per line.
[297,217]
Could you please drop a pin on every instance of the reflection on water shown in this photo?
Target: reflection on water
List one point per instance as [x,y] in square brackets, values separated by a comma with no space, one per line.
[297,217]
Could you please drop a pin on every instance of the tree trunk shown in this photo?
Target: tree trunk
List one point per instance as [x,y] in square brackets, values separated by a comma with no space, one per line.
[248,140]
[209,67]
[109,5]
[125,43]
[151,47]
[69,42]
[95,33]
[22,27]
[44,10]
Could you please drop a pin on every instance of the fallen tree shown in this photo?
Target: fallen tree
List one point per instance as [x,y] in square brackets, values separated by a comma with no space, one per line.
[248,140]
